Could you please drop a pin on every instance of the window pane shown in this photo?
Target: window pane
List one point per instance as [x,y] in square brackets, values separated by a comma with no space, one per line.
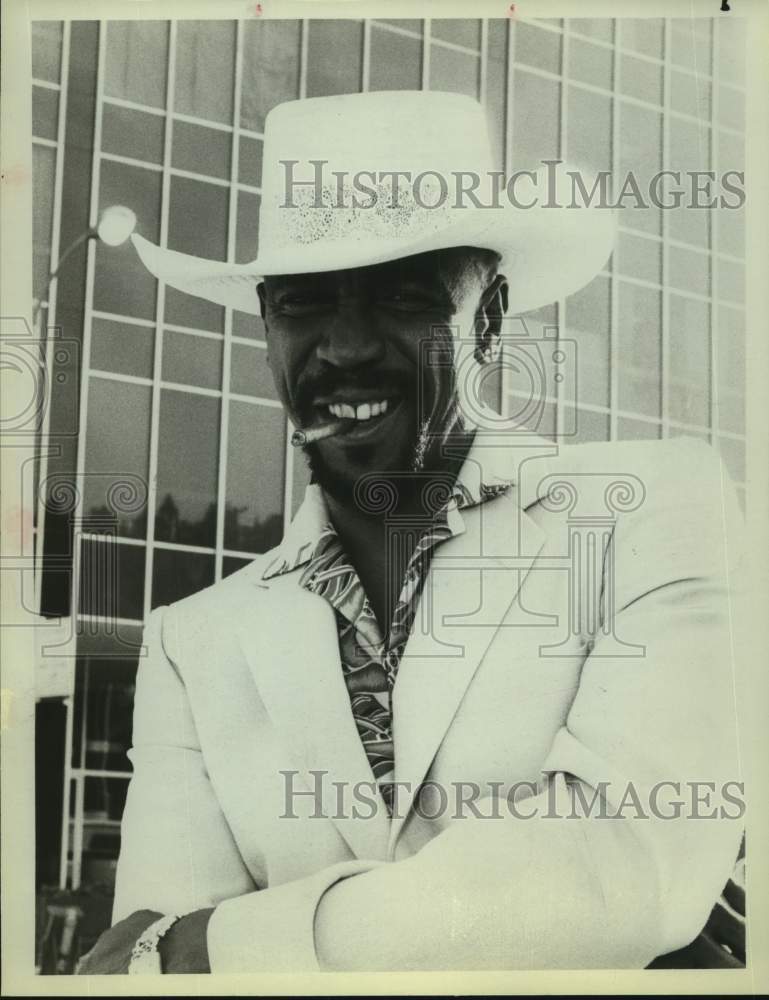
[730,400]
[588,322]
[641,79]
[124,348]
[250,161]
[637,430]
[205,62]
[45,112]
[255,477]
[192,360]
[642,34]
[731,49]
[231,564]
[458,72]
[640,349]
[123,285]
[588,133]
[731,281]
[396,61]
[201,150]
[638,257]
[46,50]
[104,800]
[108,689]
[187,468]
[460,31]
[407,24]
[247,233]
[334,54]
[537,47]
[198,218]
[689,152]
[177,574]
[250,374]
[596,27]
[733,453]
[640,153]
[43,170]
[731,220]
[189,310]
[589,426]
[112,580]
[690,42]
[136,61]
[114,454]
[731,108]
[689,379]
[536,104]
[690,95]
[590,63]
[543,421]
[133,133]
[248,325]
[270,68]
[689,271]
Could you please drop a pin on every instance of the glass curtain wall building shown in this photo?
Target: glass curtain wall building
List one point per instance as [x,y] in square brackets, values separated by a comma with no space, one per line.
[174,392]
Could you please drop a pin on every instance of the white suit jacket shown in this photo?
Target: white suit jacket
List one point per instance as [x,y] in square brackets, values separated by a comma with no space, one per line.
[577,634]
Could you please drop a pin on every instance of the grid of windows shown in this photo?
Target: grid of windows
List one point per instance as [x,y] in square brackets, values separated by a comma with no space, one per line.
[176,391]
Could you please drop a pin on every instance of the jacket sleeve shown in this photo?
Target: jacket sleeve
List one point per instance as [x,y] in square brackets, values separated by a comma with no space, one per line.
[561,890]
[177,853]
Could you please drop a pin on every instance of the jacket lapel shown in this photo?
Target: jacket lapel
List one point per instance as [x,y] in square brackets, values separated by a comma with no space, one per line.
[473,581]
[292,649]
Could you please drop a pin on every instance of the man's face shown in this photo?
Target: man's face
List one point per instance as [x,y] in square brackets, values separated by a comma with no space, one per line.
[352,343]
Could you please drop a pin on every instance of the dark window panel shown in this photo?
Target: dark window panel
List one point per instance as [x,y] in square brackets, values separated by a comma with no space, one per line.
[205,61]
[104,799]
[270,68]
[250,153]
[43,170]
[113,456]
[112,579]
[190,310]
[46,50]
[137,134]
[192,360]
[45,112]
[460,31]
[334,56]
[248,325]
[246,243]
[250,374]
[255,477]
[198,215]
[104,692]
[125,348]
[396,61]
[137,61]
[457,72]
[231,564]
[177,574]
[187,468]
[201,150]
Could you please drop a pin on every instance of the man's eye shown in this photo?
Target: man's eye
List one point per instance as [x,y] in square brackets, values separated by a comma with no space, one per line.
[301,303]
[406,299]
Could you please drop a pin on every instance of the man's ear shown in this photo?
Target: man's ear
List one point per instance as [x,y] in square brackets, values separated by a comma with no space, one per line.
[488,318]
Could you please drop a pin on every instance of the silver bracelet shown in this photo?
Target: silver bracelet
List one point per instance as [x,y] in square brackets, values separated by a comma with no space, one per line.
[145,957]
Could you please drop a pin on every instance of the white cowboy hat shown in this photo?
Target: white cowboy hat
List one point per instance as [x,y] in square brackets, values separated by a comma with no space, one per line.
[320,218]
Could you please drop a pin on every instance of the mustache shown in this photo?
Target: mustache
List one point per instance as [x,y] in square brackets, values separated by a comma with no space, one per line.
[378,381]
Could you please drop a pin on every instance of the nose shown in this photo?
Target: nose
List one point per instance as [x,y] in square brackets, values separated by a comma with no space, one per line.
[351,339]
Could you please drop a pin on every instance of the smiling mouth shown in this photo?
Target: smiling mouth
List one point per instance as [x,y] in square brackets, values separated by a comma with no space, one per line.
[360,417]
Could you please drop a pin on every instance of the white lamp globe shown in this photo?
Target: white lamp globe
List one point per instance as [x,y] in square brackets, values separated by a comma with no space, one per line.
[115,225]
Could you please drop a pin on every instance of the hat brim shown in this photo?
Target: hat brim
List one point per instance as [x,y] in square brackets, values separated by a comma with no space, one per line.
[547,253]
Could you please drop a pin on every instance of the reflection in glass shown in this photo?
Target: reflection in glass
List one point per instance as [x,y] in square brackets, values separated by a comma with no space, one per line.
[112,580]
[177,574]
[205,60]
[327,73]
[187,468]
[255,477]
[117,451]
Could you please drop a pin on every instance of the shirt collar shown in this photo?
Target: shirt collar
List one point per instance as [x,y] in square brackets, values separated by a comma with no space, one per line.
[486,473]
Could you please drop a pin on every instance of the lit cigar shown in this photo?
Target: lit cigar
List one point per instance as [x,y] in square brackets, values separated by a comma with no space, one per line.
[301,438]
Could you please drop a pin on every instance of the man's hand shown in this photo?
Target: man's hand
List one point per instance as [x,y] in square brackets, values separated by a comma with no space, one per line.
[183,949]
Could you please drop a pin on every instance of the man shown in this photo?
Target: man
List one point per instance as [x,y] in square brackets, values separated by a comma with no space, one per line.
[467,712]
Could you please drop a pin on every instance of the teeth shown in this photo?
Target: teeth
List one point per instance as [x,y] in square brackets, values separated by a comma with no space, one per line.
[365,411]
